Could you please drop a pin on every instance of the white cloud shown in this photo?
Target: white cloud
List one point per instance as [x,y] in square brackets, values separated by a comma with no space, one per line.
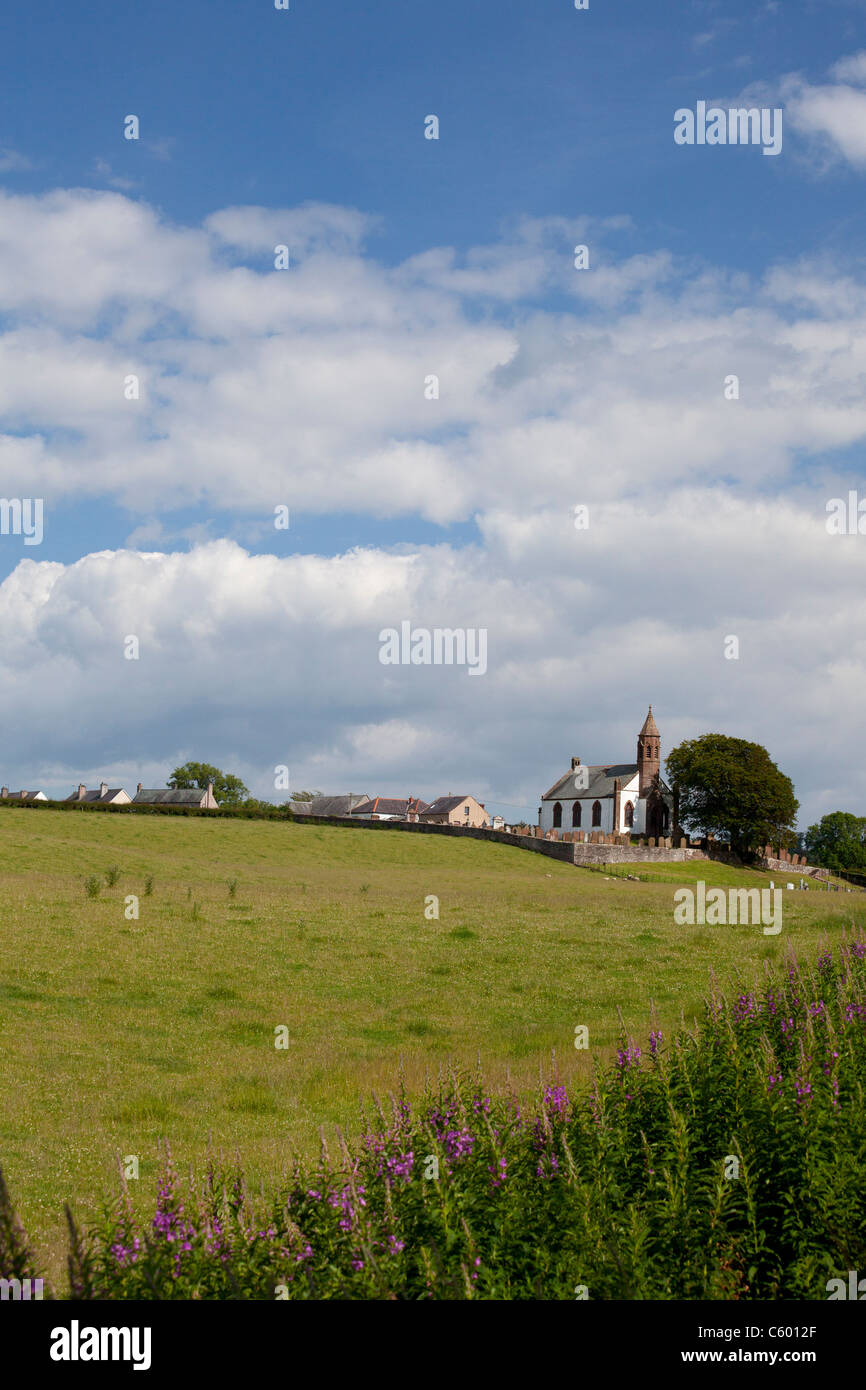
[306,387]
[13,162]
[254,661]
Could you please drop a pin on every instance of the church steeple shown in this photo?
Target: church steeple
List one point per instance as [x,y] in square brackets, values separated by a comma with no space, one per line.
[648,753]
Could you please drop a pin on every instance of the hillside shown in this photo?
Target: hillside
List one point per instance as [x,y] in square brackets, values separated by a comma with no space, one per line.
[119,1032]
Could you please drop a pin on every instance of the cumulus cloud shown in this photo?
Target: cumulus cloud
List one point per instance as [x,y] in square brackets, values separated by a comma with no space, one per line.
[833,114]
[311,386]
[254,661]
[557,387]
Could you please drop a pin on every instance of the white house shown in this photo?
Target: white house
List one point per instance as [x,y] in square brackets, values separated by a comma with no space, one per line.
[105,796]
[615,798]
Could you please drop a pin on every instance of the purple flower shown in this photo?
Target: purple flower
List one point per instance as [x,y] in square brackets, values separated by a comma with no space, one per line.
[556,1099]
[627,1057]
[744,1008]
[459,1143]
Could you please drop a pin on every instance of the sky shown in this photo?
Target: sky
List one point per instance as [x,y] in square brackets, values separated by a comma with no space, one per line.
[619,465]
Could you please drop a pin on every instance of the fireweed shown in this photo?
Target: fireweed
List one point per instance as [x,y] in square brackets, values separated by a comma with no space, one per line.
[619,1184]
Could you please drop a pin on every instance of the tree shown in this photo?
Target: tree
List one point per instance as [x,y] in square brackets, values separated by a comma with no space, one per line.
[305,796]
[838,841]
[732,788]
[228,789]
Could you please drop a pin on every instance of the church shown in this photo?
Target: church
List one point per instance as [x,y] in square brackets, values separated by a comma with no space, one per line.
[615,798]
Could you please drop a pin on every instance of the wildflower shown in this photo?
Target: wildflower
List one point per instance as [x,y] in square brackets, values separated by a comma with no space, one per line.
[627,1057]
[743,1009]
[555,1099]
[655,1043]
[459,1143]
[500,1170]
[401,1167]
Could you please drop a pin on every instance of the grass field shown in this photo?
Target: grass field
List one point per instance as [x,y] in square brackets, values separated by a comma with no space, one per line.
[117,1033]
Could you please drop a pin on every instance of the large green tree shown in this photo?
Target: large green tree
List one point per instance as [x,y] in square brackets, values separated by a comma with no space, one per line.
[732,788]
[228,789]
[838,841]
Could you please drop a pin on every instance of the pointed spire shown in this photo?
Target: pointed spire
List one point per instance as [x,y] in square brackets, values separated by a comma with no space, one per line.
[649,725]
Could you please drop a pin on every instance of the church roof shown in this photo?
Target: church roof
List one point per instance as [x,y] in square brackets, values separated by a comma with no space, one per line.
[601,779]
[649,725]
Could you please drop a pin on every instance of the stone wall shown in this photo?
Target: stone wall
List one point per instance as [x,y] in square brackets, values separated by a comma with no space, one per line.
[634,854]
[792,865]
[601,849]
[580,847]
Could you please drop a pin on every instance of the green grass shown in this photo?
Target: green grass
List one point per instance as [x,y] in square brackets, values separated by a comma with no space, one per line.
[116,1032]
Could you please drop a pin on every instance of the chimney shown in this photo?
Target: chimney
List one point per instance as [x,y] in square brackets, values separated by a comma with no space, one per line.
[103,788]
[138,788]
[210,795]
[4,792]
[81,791]
[575,762]
[22,796]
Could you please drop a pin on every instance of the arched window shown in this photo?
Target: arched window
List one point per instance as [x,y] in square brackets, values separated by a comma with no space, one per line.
[629,815]
[596,813]
[575,813]
[664,817]
[557,814]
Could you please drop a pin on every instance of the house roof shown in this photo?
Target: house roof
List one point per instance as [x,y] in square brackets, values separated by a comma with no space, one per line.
[389,806]
[94,795]
[330,805]
[171,796]
[443,804]
[601,782]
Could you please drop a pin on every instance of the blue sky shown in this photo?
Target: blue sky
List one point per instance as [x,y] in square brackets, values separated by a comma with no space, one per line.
[451,256]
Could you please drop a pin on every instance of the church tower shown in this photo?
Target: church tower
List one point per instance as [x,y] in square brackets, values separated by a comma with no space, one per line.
[648,753]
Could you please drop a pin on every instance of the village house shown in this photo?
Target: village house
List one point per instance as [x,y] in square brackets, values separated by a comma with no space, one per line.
[105,796]
[176,796]
[613,798]
[456,810]
[390,808]
[21,796]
